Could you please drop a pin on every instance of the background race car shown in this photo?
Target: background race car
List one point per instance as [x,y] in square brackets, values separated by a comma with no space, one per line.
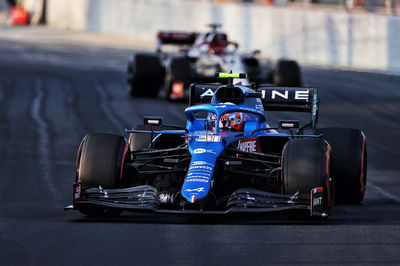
[200,56]
[227,159]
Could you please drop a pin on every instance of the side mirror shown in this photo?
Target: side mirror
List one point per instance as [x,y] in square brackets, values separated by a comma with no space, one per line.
[289,124]
[153,120]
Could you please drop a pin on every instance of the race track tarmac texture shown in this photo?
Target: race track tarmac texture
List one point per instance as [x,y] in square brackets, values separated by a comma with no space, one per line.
[52,94]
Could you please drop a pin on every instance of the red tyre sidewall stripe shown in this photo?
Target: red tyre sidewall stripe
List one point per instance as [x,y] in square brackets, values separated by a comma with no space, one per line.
[78,159]
[329,195]
[362,163]
[282,173]
[123,161]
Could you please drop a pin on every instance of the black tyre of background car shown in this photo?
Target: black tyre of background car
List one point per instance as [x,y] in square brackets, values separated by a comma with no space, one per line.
[179,70]
[349,163]
[145,75]
[304,167]
[287,73]
[100,165]
[252,69]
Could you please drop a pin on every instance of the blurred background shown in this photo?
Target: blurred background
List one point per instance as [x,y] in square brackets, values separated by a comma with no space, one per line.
[356,34]
[63,74]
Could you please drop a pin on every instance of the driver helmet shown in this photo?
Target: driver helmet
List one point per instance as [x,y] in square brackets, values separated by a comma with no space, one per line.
[211,121]
[232,121]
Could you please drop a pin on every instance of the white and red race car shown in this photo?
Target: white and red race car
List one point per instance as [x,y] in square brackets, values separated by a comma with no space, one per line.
[199,57]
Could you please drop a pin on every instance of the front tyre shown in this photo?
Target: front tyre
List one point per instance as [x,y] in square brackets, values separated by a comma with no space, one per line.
[101,164]
[305,165]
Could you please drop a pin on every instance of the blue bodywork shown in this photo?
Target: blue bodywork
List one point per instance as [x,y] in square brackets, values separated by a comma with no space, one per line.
[227,159]
[205,144]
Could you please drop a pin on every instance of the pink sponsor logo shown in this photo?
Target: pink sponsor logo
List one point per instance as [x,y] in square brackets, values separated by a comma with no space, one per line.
[249,145]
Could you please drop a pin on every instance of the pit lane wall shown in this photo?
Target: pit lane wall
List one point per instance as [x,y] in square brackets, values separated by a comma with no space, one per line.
[313,37]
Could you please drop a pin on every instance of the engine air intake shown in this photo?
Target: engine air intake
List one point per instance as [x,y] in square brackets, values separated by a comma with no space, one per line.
[229,94]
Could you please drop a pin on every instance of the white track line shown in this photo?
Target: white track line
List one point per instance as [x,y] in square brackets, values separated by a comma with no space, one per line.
[383,192]
[43,140]
[106,108]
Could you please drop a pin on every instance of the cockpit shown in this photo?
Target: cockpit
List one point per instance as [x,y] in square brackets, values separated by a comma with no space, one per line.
[218,122]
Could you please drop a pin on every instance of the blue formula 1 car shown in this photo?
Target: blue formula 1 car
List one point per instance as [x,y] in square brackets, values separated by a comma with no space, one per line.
[226,160]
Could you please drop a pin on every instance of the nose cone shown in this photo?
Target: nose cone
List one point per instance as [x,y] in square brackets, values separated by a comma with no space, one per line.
[194,191]
[198,181]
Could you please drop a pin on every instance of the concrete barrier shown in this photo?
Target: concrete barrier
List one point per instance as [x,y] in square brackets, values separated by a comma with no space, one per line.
[338,39]
[35,9]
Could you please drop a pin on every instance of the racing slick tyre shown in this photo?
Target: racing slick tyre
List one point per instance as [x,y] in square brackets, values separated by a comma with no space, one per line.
[178,78]
[305,165]
[100,164]
[287,74]
[349,163]
[145,75]
[141,141]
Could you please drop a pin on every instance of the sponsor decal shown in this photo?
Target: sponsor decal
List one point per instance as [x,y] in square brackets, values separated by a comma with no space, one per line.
[199,163]
[318,189]
[199,175]
[197,180]
[284,95]
[301,95]
[153,122]
[259,107]
[204,138]
[252,110]
[77,191]
[207,93]
[317,201]
[294,197]
[199,189]
[196,107]
[249,145]
[201,167]
[199,150]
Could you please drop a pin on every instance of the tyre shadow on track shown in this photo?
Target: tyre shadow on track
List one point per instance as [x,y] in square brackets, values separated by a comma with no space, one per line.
[388,214]
[198,220]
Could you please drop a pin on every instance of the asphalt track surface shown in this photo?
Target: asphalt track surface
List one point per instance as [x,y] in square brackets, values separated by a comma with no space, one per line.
[54,92]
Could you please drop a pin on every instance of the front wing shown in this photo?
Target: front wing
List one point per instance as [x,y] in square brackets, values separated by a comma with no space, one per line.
[147,199]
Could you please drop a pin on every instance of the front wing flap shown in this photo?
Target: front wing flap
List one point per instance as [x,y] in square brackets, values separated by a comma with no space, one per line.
[147,199]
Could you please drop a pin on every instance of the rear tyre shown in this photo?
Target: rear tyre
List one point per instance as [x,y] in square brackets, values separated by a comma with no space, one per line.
[287,74]
[100,164]
[305,165]
[145,75]
[140,141]
[349,163]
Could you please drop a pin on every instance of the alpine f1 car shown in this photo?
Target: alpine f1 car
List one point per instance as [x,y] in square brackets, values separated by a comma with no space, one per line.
[200,57]
[227,159]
